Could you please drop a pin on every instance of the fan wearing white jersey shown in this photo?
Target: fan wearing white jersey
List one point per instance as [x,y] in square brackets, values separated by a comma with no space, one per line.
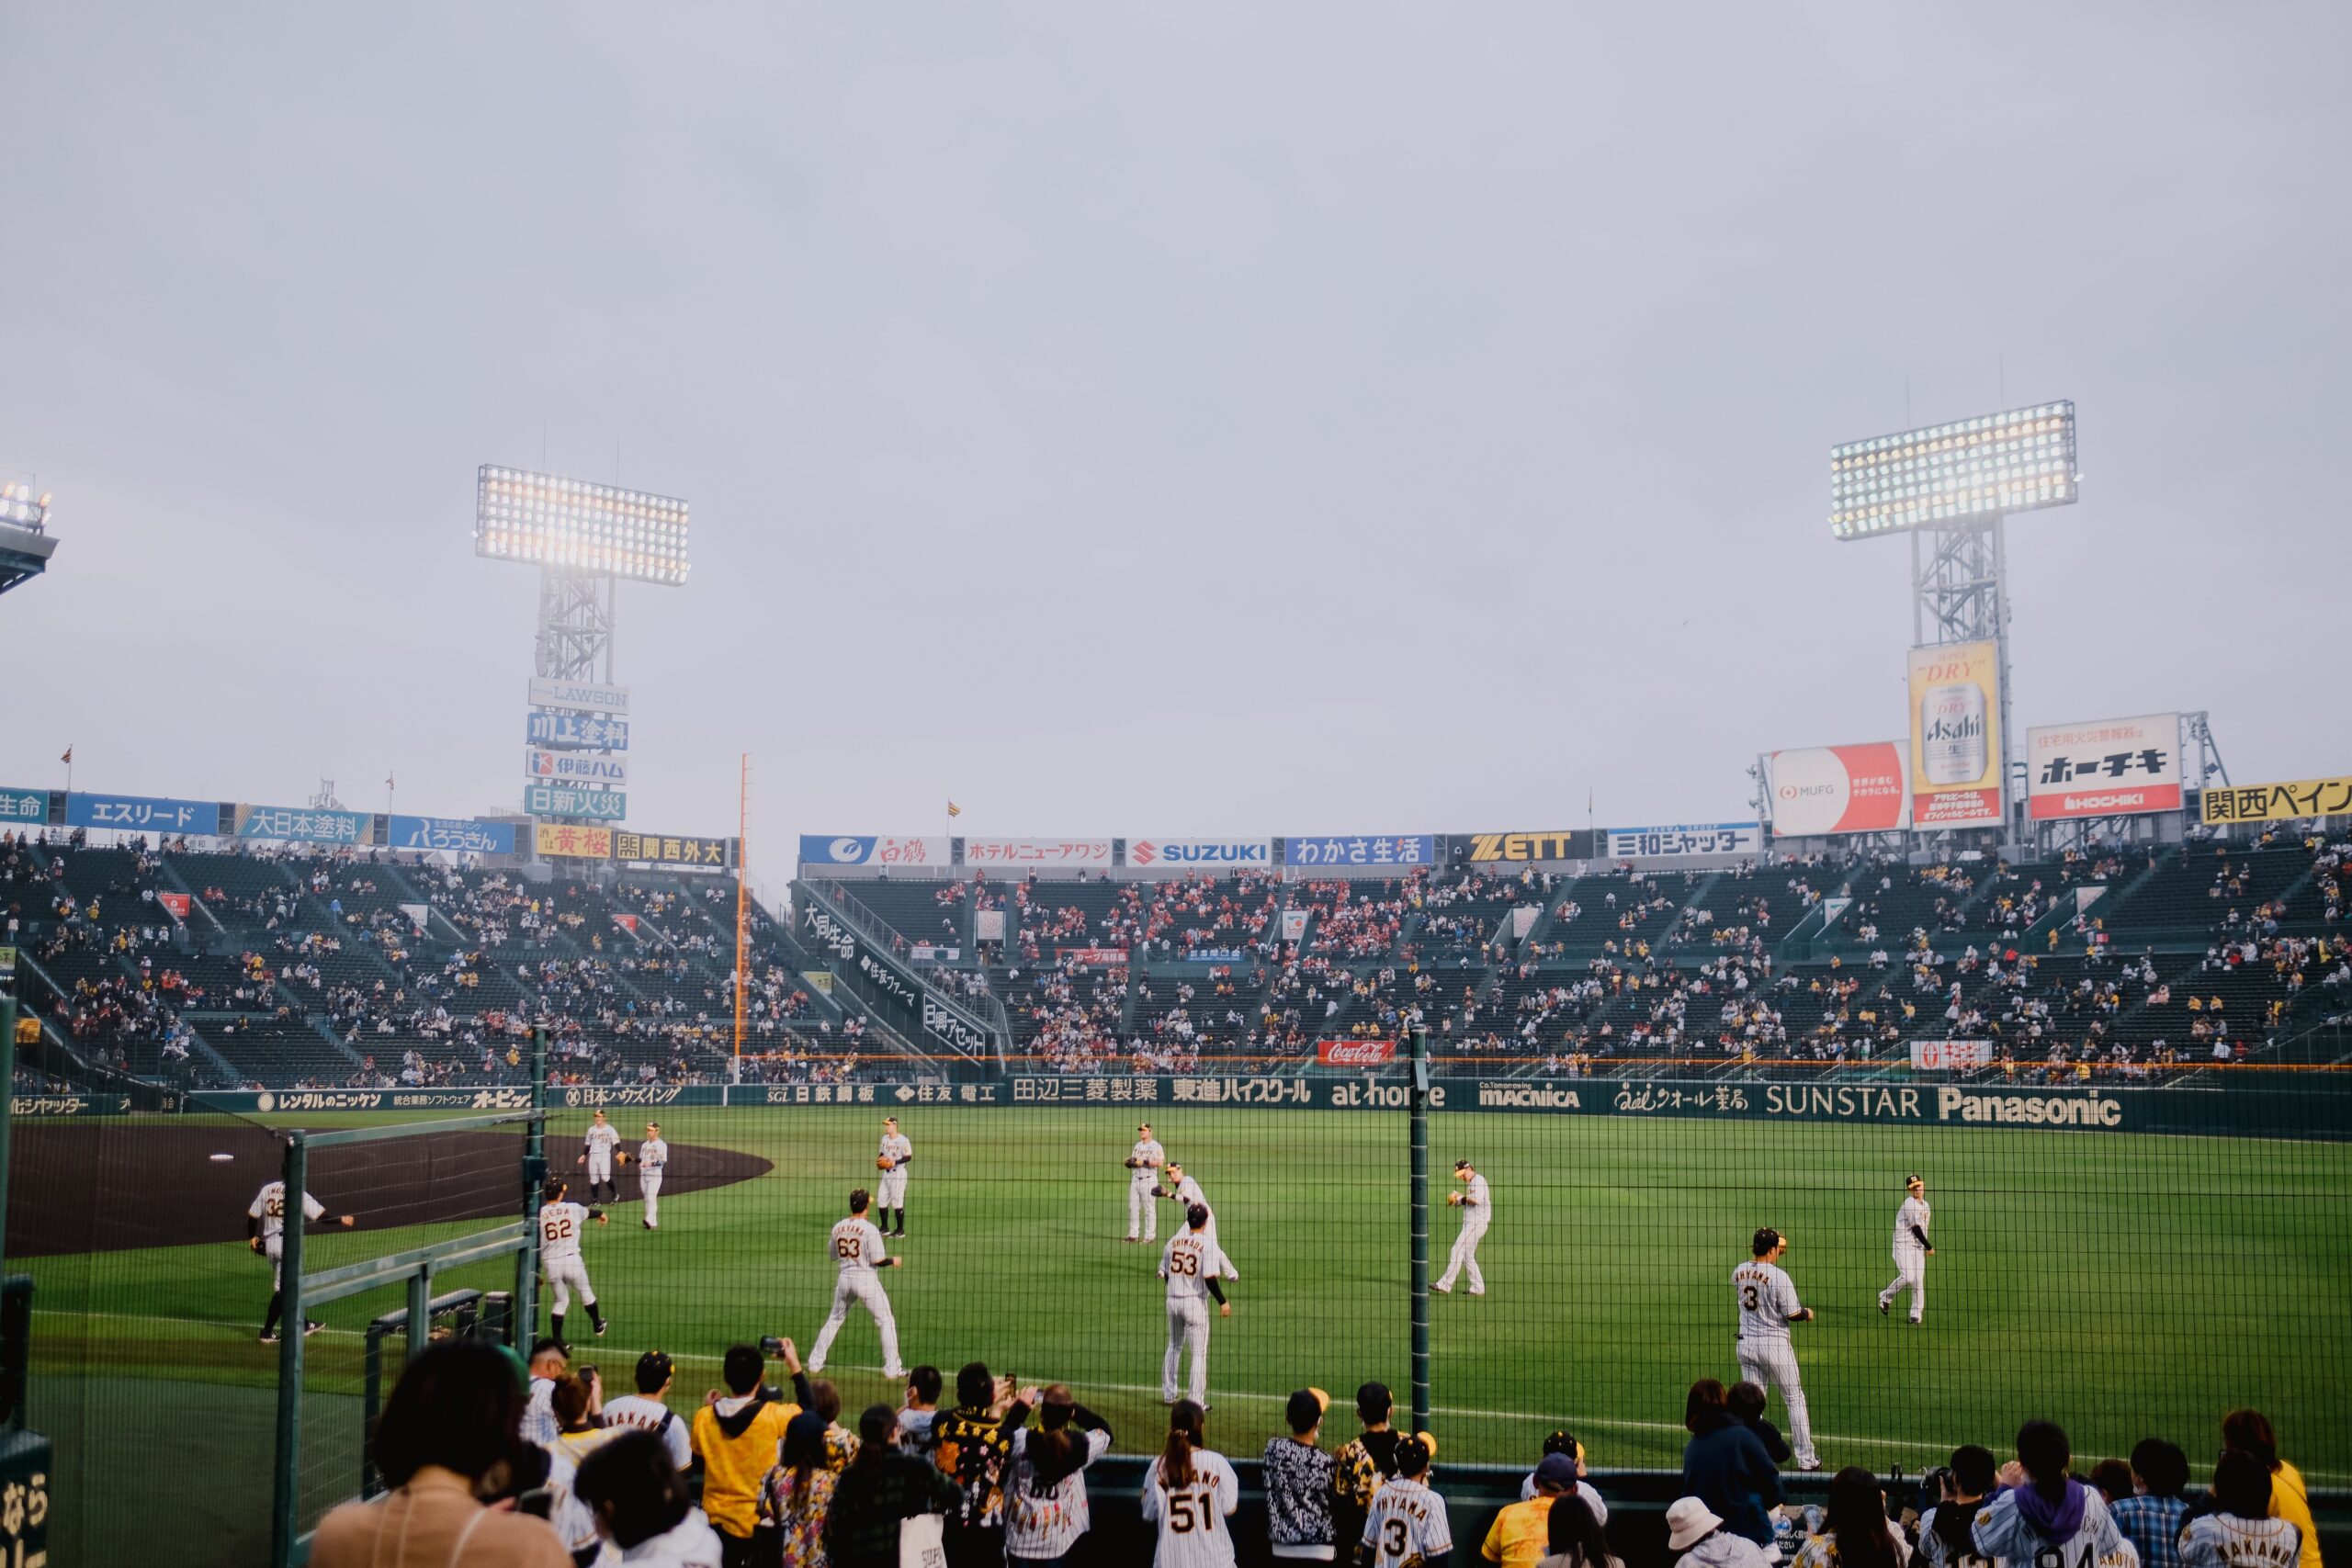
[1911,1250]
[1191,1264]
[1477,1211]
[1766,1302]
[855,1247]
[1408,1527]
[1187,1192]
[653,1163]
[891,1160]
[646,1411]
[1144,1161]
[1190,1492]
[560,1224]
[265,1234]
[596,1152]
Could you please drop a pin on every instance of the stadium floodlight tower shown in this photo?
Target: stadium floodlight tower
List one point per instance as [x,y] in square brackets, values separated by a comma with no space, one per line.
[1951,487]
[25,542]
[584,538]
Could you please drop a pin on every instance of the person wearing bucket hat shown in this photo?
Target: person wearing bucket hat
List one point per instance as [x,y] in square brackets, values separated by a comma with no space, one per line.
[1298,1484]
[1696,1533]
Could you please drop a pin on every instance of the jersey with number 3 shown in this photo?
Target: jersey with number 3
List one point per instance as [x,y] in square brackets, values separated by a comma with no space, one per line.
[560,1228]
[1407,1526]
[1193,1531]
[1767,1298]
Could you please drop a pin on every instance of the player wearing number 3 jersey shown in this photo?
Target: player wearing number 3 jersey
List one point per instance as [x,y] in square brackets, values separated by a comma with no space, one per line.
[1189,1494]
[856,1248]
[1766,1302]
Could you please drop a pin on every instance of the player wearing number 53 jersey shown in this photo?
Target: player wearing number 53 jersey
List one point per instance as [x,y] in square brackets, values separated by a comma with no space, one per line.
[1766,1302]
[1191,1264]
[560,1224]
[265,1234]
[856,1248]
[1190,1492]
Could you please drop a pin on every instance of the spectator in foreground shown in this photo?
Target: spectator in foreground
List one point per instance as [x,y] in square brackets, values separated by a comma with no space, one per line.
[1726,1466]
[2113,1478]
[1360,1467]
[449,1435]
[640,1504]
[2039,1509]
[1746,1400]
[1408,1524]
[923,1386]
[799,1494]
[1046,1505]
[2250,1431]
[738,1435]
[549,1365]
[1189,1492]
[1855,1533]
[1573,1538]
[1518,1538]
[2244,1527]
[971,1442]
[2153,1517]
[647,1410]
[1298,1484]
[880,1490]
[1697,1534]
[1561,1442]
[1943,1529]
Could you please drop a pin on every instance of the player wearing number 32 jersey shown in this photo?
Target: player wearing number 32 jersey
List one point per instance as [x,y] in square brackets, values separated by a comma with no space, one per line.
[1189,1494]
[856,1248]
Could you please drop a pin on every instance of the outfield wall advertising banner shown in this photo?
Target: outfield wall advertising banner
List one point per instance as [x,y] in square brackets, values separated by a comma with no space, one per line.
[1036,852]
[1355,1053]
[1684,840]
[671,848]
[454,833]
[563,840]
[303,825]
[1956,740]
[2278,802]
[579,696]
[22,806]
[2114,767]
[592,768]
[1951,1056]
[142,814]
[1351,851]
[576,732]
[1578,843]
[1215,853]
[565,800]
[871,849]
[1821,790]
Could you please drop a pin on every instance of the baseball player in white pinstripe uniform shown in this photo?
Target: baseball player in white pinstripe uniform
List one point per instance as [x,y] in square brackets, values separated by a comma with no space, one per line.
[265,1234]
[560,1222]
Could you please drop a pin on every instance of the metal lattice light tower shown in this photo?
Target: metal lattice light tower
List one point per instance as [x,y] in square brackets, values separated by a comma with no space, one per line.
[1951,487]
[25,542]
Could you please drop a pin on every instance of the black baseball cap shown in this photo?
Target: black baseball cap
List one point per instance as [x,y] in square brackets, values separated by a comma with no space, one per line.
[653,1370]
[1767,1238]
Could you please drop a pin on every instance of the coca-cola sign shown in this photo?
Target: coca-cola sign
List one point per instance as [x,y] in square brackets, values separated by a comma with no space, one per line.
[1355,1053]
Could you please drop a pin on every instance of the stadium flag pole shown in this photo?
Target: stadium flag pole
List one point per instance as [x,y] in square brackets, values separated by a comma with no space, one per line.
[1420,1117]
[286,1480]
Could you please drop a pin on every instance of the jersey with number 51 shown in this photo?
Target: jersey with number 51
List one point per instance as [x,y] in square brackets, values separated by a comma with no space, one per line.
[560,1228]
[1193,1531]
[855,1245]
[1407,1526]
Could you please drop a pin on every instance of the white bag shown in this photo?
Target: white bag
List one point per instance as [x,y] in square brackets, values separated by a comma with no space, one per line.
[923,1542]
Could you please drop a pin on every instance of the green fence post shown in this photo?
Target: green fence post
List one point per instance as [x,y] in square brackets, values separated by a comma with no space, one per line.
[286,1484]
[1420,1200]
[523,1321]
[420,1311]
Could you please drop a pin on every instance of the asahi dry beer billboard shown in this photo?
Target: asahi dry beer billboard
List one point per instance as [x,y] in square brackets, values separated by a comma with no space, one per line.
[1956,736]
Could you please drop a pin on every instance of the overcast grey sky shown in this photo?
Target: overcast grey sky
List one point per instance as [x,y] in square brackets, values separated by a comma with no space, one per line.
[1154,419]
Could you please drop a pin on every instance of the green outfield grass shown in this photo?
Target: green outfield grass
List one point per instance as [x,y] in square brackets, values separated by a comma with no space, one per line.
[2123,1285]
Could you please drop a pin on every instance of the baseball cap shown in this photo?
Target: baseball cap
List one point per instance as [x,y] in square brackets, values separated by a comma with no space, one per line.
[1563,1443]
[1557,1470]
[1766,1239]
[1687,1521]
[653,1370]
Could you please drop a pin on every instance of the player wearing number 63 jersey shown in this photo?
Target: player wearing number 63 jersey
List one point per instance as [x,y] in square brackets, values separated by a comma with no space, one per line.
[265,1234]
[1408,1527]
[855,1247]
[1191,1264]
[1767,1303]
[1190,1492]
[560,1224]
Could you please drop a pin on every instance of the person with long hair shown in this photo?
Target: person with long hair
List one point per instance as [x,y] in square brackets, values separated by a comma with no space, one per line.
[2042,1512]
[2242,1528]
[1190,1492]
[451,1436]
[1854,1531]
[1725,1465]
[881,1489]
[638,1501]
[1573,1538]
[798,1493]
[2248,1431]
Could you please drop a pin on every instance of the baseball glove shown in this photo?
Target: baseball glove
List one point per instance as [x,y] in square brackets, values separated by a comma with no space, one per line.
[881,1162]
[1158,1191]
[1132,1162]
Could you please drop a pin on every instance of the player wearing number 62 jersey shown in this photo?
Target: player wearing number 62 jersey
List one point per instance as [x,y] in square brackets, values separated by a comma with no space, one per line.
[1191,1264]
[1189,1492]
[560,1224]
[1766,1302]
[855,1247]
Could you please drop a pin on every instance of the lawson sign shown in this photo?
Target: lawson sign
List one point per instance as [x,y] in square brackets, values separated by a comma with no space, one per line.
[1200,852]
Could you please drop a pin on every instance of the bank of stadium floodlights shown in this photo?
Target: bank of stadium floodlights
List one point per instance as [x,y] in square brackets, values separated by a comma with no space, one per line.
[1951,489]
[25,542]
[584,538]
